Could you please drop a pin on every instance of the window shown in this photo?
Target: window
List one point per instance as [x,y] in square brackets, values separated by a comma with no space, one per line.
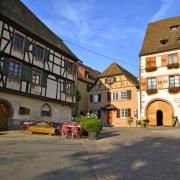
[152,83]
[36,77]
[14,69]
[88,87]
[39,51]
[24,111]
[174,81]
[115,96]
[95,98]
[172,58]
[69,88]
[125,113]
[70,67]
[18,42]
[97,113]
[124,95]
[173,28]
[86,75]
[45,110]
[110,80]
[164,41]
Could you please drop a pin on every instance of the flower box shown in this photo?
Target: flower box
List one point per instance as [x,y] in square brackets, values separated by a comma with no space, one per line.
[50,131]
[150,69]
[151,91]
[174,90]
[173,66]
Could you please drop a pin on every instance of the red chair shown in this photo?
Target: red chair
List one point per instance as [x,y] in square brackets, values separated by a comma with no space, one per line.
[75,130]
[65,130]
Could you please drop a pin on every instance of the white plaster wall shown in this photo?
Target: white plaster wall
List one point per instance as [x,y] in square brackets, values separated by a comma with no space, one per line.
[59,112]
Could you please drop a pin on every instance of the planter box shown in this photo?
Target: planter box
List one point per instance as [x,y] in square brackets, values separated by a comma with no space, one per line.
[50,131]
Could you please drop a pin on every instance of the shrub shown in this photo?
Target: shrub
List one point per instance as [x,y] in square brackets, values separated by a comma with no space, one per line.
[93,125]
[129,120]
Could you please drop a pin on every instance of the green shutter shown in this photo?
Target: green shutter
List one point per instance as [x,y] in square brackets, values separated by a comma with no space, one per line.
[6,65]
[44,78]
[29,74]
[46,56]
[34,49]
[24,71]
[27,42]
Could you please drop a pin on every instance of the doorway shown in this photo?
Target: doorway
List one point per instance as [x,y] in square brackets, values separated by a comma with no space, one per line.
[109,117]
[159,117]
[4,114]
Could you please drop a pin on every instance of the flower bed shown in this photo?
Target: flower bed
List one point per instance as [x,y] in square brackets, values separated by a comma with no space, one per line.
[150,69]
[174,90]
[43,128]
[173,66]
[151,91]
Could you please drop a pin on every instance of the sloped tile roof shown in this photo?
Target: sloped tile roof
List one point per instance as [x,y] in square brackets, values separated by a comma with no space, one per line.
[116,69]
[161,30]
[17,12]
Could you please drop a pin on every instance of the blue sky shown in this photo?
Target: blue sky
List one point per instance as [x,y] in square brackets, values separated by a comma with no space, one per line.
[114,28]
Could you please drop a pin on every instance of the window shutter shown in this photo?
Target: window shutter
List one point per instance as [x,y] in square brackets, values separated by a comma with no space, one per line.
[153,62]
[118,113]
[148,61]
[106,80]
[99,97]
[91,98]
[128,94]
[44,79]
[99,113]
[24,72]
[46,56]
[165,80]
[29,75]
[159,82]
[26,46]
[34,49]
[129,112]
[164,60]
[109,96]
[6,64]
[65,64]
[143,84]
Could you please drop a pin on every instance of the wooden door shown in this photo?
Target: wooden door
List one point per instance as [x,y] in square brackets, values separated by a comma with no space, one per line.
[109,117]
[3,116]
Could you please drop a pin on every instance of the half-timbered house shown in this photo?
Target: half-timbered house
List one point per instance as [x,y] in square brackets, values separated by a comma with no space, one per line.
[114,98]
[160,72]
[37,70]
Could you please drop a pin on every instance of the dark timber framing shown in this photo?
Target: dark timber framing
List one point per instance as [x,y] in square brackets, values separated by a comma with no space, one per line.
[31,38]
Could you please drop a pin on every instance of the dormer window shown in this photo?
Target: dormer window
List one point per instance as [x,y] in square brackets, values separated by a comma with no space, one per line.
[110,80]
[164,41]
[174,27]
[86,75]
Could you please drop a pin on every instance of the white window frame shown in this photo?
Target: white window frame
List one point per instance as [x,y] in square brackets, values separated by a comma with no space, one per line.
[152,83]
[115,96]
[95,98]
[174,81]
[172,58]
[124,95]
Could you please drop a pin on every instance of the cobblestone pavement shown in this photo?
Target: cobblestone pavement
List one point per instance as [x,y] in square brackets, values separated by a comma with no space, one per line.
[42,157]
[136,153]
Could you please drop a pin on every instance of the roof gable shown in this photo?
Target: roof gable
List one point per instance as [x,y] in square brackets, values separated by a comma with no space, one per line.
[116,69]
[159,31]
[17,12]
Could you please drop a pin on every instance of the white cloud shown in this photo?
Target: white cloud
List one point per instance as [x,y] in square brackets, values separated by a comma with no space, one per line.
[166,7]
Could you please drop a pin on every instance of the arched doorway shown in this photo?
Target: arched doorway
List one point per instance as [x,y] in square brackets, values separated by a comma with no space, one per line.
[159,117]
[159,112]
[5,115]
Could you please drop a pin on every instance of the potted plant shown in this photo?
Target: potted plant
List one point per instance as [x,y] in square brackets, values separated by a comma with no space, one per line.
[151,91]
[143,121]
[129,121]
[150,69]
[173,65]
[174,90]
[93,127]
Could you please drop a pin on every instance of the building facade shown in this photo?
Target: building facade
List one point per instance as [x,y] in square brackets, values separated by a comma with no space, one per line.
[160,72]
[38,71]
[86,78]
[114,98]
